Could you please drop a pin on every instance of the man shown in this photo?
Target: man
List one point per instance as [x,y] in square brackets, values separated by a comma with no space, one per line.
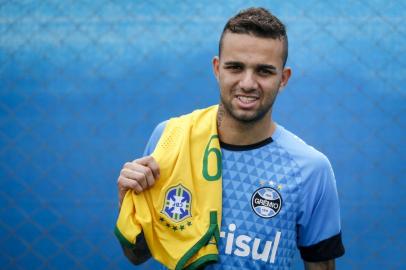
[278,192]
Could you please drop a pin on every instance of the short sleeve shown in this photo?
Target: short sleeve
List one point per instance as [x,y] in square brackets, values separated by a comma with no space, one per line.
[319,228]
[153,140]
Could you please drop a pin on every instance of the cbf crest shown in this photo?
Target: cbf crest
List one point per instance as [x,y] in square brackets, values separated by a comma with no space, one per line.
[177,203]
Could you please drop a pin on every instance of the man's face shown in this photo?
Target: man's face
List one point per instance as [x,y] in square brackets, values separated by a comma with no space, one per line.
[250,73]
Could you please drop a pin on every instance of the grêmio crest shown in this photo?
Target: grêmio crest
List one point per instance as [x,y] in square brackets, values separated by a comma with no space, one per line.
[177,205]
[266,202]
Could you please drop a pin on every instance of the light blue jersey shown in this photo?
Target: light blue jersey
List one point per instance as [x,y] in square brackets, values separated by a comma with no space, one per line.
[278,195]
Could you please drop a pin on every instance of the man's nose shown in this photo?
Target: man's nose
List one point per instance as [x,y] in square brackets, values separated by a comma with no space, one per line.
[248,81]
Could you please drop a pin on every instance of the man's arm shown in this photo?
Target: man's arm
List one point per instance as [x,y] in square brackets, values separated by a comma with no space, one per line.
[326,265]
[140,253]
[138,175]
[141,173]
[319,228]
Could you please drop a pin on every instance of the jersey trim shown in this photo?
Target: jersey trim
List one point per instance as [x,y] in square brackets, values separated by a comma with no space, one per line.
[212,231]
[122,239]
[325,250]
[202,262]
[233,147]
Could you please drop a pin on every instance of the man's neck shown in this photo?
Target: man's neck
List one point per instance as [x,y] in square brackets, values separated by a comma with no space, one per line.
[232,131]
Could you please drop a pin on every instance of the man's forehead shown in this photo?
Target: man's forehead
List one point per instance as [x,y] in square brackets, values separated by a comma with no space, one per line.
[247,47]
[237,38]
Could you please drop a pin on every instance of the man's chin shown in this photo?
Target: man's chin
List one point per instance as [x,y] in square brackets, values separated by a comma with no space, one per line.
[247,117]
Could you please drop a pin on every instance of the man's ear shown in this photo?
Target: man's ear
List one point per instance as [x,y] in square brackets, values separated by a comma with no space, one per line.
[216,67]
[286,73]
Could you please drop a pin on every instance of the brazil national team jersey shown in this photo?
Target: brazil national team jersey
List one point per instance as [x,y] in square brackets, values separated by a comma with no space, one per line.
[278,195]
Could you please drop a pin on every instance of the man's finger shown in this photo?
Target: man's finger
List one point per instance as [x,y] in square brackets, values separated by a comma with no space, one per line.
[136,174]
[139,173]
[141,178]
[149,177]
[125,184]
[150,162]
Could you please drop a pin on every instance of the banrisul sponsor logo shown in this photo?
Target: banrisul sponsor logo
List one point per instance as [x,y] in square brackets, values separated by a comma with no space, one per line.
[266,202]
[246,246]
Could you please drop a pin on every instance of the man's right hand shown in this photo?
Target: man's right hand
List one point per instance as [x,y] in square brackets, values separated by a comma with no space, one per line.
[137,175]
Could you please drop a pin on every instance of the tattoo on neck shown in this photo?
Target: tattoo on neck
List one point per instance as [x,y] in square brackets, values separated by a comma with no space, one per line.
[220,115]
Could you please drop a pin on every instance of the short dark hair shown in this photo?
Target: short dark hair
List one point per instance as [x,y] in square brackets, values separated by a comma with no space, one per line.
[258,22]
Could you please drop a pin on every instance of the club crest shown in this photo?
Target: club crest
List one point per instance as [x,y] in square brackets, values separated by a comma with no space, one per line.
[177,203]
[266,202]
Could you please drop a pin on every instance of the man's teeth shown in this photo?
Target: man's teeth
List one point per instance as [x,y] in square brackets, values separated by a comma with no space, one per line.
[246,99]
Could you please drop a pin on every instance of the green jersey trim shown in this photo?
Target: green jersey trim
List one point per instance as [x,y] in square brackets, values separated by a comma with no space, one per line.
[212,231]
[122,239]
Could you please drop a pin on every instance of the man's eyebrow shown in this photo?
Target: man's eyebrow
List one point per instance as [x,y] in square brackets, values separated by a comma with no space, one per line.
[233,63]
[265,66]
[260,66]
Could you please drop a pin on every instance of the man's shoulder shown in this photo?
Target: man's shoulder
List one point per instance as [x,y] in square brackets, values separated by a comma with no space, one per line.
[154,138]
[301,152]
[180,122]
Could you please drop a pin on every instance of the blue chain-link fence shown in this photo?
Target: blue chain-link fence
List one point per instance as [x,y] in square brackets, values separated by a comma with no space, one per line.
[83,83]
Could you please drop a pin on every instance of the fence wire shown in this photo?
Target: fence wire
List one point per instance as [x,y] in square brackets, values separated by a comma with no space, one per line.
[83,83]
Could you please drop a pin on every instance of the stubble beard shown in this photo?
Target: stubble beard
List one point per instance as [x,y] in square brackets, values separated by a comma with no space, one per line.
[247,119]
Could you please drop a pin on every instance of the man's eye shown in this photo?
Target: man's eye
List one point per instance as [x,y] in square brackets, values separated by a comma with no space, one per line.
[234,68]
[264,72]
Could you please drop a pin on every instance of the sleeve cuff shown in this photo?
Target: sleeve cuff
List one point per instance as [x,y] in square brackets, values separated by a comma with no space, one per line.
[325,250]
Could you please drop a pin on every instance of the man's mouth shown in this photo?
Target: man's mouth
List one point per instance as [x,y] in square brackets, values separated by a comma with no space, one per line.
[247,99]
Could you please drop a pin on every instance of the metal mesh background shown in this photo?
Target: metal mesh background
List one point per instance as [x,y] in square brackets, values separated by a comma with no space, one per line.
[83,83]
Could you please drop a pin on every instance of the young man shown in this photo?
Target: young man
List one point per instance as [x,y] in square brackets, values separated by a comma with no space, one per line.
[278,192]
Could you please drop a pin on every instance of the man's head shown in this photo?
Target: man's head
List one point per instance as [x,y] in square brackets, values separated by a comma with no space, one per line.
[257,22]
[251,68]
